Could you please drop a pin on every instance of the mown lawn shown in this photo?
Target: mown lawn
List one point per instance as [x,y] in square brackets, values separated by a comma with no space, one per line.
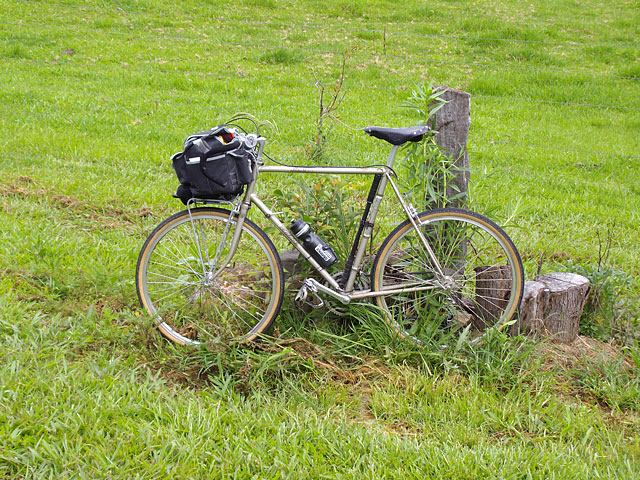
[96,96]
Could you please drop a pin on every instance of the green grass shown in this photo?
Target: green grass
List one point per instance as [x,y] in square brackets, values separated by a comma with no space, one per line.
[95,97]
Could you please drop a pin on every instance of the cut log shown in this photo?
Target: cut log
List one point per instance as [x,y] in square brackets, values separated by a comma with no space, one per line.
[293,266]
[552,307]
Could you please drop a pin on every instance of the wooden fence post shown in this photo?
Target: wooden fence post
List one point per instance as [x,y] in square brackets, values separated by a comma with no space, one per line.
[452,123]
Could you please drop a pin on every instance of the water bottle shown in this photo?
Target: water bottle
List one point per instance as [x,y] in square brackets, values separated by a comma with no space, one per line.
[313,244]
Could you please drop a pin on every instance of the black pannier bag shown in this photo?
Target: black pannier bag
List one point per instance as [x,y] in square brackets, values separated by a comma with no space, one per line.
[214,164]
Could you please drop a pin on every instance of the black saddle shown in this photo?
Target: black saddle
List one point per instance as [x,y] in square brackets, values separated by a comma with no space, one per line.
[398,136]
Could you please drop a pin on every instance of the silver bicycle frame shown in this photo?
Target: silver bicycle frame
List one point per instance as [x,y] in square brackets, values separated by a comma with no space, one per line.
[346,295]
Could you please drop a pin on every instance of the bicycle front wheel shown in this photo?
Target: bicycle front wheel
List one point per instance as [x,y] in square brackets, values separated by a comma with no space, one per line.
[468,278]
[192,297]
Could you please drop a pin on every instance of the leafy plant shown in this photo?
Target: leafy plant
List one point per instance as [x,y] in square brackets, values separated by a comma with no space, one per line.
[426,171]
[425,101]
[609,311]
[327,207]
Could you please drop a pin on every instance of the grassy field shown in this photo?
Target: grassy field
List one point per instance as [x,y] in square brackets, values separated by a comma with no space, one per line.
[96,96]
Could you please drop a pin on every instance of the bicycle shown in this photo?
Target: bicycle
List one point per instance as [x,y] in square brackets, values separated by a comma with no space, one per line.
[210,272]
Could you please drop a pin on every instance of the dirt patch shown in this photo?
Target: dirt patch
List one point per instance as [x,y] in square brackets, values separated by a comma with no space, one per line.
[404,429]
[357,376]
[297,350]
[592,372]
[113,216]
[23,186]
[294,355]
[557,357]
[113,304]
[188,377]
[105,216]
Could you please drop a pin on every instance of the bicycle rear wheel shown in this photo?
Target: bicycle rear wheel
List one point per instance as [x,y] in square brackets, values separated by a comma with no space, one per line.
[471,281]
[182,285]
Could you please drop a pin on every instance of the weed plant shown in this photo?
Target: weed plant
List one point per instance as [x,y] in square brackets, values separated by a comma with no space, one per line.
[610,312]
[426,172]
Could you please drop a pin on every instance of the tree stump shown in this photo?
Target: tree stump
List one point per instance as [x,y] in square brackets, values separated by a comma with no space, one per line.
[531,318]
[452,123]
[563,309]
[552,307]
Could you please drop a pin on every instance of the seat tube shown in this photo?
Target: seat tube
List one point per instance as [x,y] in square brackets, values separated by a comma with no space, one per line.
[368,230]
[369,223]
[392,156]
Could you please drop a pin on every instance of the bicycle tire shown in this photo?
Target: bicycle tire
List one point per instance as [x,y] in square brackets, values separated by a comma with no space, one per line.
[482,285]
[176,285]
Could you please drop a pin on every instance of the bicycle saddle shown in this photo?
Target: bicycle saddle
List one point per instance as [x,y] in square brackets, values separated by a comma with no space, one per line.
[398,136]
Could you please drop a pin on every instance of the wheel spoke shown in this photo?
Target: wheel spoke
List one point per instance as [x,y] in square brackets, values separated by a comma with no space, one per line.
[243,298]
[482,281]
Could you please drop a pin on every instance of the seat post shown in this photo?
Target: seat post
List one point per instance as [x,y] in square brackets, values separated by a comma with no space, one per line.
[392,156]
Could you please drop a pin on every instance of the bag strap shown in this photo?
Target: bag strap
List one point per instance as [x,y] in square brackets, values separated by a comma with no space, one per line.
[202,136]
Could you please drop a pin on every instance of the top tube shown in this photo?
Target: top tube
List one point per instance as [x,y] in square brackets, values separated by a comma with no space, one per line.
[337,170]
[253,141]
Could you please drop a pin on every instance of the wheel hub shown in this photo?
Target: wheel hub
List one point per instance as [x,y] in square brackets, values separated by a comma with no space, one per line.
[448,282]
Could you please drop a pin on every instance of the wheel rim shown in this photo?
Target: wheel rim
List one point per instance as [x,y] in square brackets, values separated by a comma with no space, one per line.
[189,303]
[479,290]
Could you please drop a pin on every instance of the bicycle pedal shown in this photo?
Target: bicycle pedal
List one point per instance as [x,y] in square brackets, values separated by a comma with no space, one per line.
[319,304]
[303,298]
